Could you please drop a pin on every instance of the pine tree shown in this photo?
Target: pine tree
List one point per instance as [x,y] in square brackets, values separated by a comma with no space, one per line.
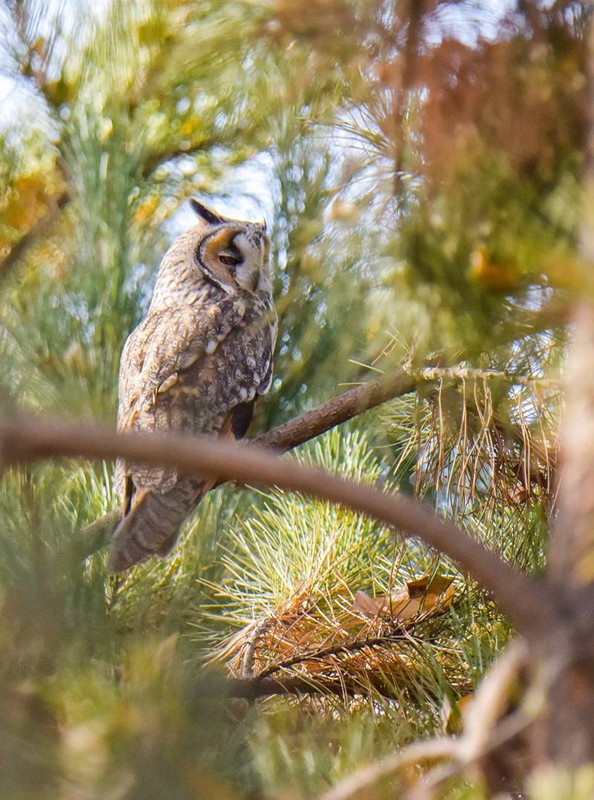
[421,166]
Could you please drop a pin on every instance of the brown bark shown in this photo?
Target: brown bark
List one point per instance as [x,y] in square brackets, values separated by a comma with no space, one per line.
[572,548]
[337,410]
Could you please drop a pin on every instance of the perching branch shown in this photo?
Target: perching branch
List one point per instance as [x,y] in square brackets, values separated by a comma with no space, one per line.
[337,410]
[25,439]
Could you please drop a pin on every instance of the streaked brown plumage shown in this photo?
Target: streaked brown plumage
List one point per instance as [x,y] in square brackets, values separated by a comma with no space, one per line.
[196,363]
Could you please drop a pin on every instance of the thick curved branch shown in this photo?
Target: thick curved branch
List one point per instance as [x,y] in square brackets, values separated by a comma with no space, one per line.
[291,434]
[24,439]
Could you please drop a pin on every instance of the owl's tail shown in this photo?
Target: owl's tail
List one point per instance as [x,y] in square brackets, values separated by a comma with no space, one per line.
[152,525]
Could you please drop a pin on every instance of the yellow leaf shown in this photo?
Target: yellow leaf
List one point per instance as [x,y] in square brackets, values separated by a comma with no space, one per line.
[146,209]
[491,274]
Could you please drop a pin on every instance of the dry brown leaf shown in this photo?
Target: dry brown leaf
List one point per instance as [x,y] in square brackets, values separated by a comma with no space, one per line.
[424,596]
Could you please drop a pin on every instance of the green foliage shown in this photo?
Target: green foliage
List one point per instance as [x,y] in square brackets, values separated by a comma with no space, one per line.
[294,546]
[307,749]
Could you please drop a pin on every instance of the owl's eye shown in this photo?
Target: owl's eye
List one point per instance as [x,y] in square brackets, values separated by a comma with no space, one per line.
[230,261]
[230,257]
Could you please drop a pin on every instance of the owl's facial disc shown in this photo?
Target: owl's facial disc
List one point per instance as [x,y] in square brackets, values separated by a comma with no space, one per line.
[234,256]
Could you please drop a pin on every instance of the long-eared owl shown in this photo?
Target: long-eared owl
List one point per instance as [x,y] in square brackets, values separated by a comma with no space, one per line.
[197,364]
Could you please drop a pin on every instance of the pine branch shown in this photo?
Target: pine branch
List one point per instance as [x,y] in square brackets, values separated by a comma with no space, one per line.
[337,410]
[471,374]
[253,688]
[485,732]
[156,159]
[322,653]
[25,439]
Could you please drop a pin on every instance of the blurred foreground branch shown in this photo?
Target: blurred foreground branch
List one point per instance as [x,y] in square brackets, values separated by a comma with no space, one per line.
[291,434]
[25,439]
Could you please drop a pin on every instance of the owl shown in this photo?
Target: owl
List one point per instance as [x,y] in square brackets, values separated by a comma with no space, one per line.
[196,364]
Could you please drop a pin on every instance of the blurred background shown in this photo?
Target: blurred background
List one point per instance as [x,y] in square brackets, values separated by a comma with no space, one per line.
[418,165]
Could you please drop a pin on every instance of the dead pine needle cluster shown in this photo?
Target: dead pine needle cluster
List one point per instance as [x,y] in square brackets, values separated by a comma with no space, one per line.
[370,647]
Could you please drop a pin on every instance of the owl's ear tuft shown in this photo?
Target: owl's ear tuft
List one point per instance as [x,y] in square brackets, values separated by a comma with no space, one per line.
[206,213]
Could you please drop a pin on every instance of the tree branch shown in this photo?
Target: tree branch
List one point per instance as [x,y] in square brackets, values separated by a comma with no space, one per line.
[572,545]
[486,730]
[337,410]
[290,434]
[254,688]
[156,159]
[322,653]
[24,439]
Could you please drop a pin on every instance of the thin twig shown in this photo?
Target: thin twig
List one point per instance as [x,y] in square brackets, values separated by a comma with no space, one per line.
[332,650]
[24,439]
[249,656]
[469,373]
[157,159]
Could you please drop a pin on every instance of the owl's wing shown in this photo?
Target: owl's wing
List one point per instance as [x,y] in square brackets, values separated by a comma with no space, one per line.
[198,373]
[156,360]
[163,346]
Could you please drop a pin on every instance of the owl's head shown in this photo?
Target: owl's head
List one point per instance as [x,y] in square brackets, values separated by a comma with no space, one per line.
[231,253]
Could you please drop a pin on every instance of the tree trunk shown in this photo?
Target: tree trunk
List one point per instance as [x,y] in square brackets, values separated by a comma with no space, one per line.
[561,643]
